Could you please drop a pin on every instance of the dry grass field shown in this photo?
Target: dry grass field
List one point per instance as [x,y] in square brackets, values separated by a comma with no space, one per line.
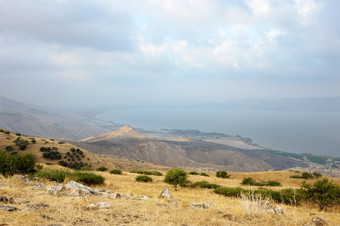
[66,210]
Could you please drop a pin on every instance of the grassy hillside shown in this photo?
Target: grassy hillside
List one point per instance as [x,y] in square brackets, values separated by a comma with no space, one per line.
[76,156]
[155,211]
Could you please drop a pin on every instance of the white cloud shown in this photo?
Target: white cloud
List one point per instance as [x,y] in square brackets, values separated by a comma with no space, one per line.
[305,10]
[272,35]
[259,7]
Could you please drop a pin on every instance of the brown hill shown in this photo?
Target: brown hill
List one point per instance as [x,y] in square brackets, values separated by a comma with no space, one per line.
[127,142]
[7,139]
[124,132]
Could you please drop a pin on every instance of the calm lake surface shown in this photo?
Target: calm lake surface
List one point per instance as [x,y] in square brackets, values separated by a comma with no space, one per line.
[299,132]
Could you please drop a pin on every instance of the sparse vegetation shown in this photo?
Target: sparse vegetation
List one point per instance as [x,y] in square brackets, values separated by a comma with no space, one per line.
[81,177]
[250,181]
[204,175]
[307,175]
[101,168]
[176,176]
[13,163]
[194,173]
[143,178]
[146,172]
[116,171]
[21,143]
[222,174]
[204,184]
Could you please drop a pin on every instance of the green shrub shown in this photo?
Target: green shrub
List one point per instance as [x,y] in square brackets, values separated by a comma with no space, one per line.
[204,175]
[230,192]
[307,175]
[52,155]
[204,184]
[143,178]
[18,134]
[21,143]
[81,177]
[33,141]
[194,173]
[222,174]
[101,168]
[13,163]
[7,132]
[296,176]
[323,192]
[116,171]
[86,168]
[145,172]
[9,148]
[317,174]
[248,181]
[176,176]
[61,142]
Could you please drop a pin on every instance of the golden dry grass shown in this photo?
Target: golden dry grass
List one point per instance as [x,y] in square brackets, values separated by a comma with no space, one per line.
[66,210]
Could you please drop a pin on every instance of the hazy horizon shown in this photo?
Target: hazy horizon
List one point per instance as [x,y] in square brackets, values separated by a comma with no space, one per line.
[140,53]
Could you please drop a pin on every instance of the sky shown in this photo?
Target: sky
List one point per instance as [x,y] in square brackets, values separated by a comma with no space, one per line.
[167,52]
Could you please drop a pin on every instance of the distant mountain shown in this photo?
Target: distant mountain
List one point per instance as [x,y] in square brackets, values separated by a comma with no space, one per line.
[129,143]
[287,104]
[30,120]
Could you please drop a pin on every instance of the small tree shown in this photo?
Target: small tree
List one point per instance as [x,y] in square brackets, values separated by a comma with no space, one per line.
[323,192]
[176,176]
[222,174]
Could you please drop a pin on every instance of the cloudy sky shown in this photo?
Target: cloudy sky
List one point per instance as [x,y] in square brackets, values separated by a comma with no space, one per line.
[173,52]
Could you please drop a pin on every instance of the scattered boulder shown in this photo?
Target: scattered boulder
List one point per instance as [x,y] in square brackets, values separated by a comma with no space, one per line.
[204,205]
[317,221]
[8,208]
[275,210]
[21,177]
[55,190]
[165,193]
[141,197]
[77,189]
[36,206]
[99,205]
[115,195]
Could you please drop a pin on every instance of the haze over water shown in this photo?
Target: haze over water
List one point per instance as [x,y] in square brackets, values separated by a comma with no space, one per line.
[292,131]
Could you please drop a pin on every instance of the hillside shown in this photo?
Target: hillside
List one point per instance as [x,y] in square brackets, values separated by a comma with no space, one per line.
[139,203]
[129,143]
[31,120]
[69,153]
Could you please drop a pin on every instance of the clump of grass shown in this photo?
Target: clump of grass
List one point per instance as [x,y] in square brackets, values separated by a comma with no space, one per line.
[116,171]
[143,178]
[61,175]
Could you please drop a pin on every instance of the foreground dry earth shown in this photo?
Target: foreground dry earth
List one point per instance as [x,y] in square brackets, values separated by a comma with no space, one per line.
[140,204]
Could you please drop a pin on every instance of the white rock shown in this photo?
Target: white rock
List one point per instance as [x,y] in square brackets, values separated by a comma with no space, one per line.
[101,205]
[166,193]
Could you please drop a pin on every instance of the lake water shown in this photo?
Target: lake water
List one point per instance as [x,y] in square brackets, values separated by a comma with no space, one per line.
[299,132]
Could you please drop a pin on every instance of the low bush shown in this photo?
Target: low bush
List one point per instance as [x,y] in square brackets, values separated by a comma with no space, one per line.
[143,178]
[101,168]
[81,177]
[250,181]
[116,171]
[204,184]
[52,155]
[230,192]
[9,148]
[204,175]
[307,175]
[21,143]
[194,173]
[222,174]
[146,172]
[13,163]
[86,168]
